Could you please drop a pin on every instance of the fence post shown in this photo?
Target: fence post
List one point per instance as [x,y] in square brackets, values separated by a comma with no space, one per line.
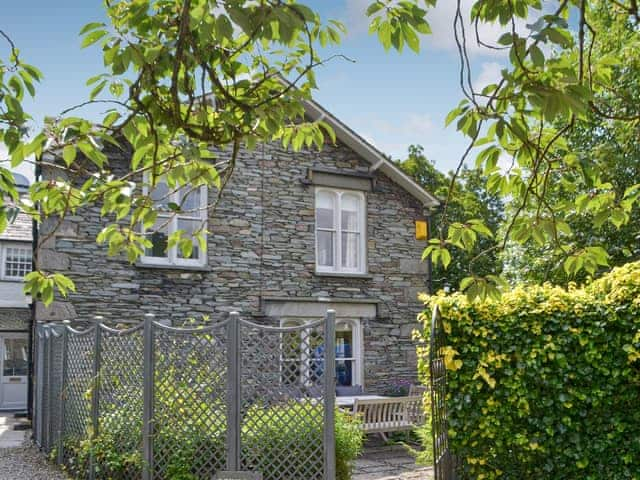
[148,379]
[38,411]
[329,395]
[63,386]
[233,392]
[95,397]
[34,380]
[49,362]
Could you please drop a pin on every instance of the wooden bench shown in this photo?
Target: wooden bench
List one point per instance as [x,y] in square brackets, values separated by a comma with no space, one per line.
[387,415]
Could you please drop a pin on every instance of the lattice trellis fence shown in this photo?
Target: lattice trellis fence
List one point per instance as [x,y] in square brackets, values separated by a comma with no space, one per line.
[234,399]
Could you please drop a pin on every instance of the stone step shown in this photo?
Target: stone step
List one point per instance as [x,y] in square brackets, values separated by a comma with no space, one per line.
[10,436]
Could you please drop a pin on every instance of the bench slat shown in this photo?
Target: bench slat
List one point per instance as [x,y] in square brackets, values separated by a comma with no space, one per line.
[390,414]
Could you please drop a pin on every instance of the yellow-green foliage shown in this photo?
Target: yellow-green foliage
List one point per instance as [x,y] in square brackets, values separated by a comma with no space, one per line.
[545,382]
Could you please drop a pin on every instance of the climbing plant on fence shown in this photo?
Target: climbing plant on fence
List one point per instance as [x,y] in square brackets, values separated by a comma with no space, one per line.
[545,382]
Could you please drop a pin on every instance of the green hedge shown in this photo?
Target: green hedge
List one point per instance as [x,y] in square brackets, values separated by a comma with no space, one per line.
[545,382]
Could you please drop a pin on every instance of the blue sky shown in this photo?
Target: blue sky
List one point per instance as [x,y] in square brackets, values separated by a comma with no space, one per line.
[391,99]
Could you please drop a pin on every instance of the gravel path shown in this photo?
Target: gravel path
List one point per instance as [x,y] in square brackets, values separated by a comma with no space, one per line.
[27,463]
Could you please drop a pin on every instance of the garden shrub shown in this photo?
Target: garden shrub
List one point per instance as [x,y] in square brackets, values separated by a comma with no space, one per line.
[545,382]
[188,441]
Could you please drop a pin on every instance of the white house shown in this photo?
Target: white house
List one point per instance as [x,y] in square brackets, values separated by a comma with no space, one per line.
[15,314]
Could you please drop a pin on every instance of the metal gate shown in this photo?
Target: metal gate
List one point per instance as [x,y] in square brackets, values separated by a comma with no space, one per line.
[232,400]
[443,462]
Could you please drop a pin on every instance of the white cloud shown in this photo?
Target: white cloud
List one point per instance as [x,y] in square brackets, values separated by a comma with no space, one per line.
[25,168]
[414,125]
[441,19]
[418,124]
[394,138]
[369,138]
[490,72]
[355,19]
[505,162]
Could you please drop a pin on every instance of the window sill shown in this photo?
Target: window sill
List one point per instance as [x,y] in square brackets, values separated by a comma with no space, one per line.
[364,276]
[188,268]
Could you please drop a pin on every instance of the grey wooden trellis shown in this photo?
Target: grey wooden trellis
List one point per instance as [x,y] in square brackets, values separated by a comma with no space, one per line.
[234,376]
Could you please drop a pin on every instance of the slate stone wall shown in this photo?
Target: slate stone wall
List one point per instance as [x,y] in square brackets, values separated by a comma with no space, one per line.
[14,319]
[261,245]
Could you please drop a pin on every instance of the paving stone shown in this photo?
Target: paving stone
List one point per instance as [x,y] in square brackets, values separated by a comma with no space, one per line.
[10,438]
[389,463]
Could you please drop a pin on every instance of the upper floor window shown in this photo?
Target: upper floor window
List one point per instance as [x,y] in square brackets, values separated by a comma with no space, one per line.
[190,216]
[340,231]
[16,261]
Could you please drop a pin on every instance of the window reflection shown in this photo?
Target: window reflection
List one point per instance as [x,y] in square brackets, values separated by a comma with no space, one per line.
[15,357]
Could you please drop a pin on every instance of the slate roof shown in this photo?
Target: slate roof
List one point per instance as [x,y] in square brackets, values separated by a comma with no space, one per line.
[19,230]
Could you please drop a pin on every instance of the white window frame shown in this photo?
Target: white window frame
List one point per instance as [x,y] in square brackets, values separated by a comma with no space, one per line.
[337,229]
[172,259]
[357,377]
[357,370]
[3,260]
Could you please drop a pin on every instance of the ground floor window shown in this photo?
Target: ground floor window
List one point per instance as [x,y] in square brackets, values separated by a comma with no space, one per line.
[348,352]
[14,369]
[302,353]
[15,357]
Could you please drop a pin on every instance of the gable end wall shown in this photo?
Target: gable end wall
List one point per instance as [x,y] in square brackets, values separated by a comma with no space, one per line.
[261,245]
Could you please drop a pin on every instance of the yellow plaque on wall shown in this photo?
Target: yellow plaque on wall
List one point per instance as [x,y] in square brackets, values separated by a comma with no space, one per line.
[422,230]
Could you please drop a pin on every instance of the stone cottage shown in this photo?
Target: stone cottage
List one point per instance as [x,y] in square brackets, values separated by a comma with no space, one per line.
[15,314]
[295,233]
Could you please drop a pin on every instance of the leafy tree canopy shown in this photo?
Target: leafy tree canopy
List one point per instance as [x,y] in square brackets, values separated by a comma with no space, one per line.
[604,143]
[184,75]
[473,212]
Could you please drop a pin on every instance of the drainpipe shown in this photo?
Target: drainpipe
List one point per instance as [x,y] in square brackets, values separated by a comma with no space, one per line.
[32,319]
[430,234]
[429,263]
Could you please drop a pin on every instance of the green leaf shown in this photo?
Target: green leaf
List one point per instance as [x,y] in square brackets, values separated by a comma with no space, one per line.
[92,153]
[537,57]
[27,80]
[97,89]
[139,154]
[91,26]
[92,38]
[111,118]
[446,257]
[224,27]
[16,86]
[384,34]
[374,8]
[69,154]
[411,37]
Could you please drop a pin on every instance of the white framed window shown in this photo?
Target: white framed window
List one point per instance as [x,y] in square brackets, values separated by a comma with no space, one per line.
[16,261]
[348,353]
[191,218]
[302,352]
[340,231]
